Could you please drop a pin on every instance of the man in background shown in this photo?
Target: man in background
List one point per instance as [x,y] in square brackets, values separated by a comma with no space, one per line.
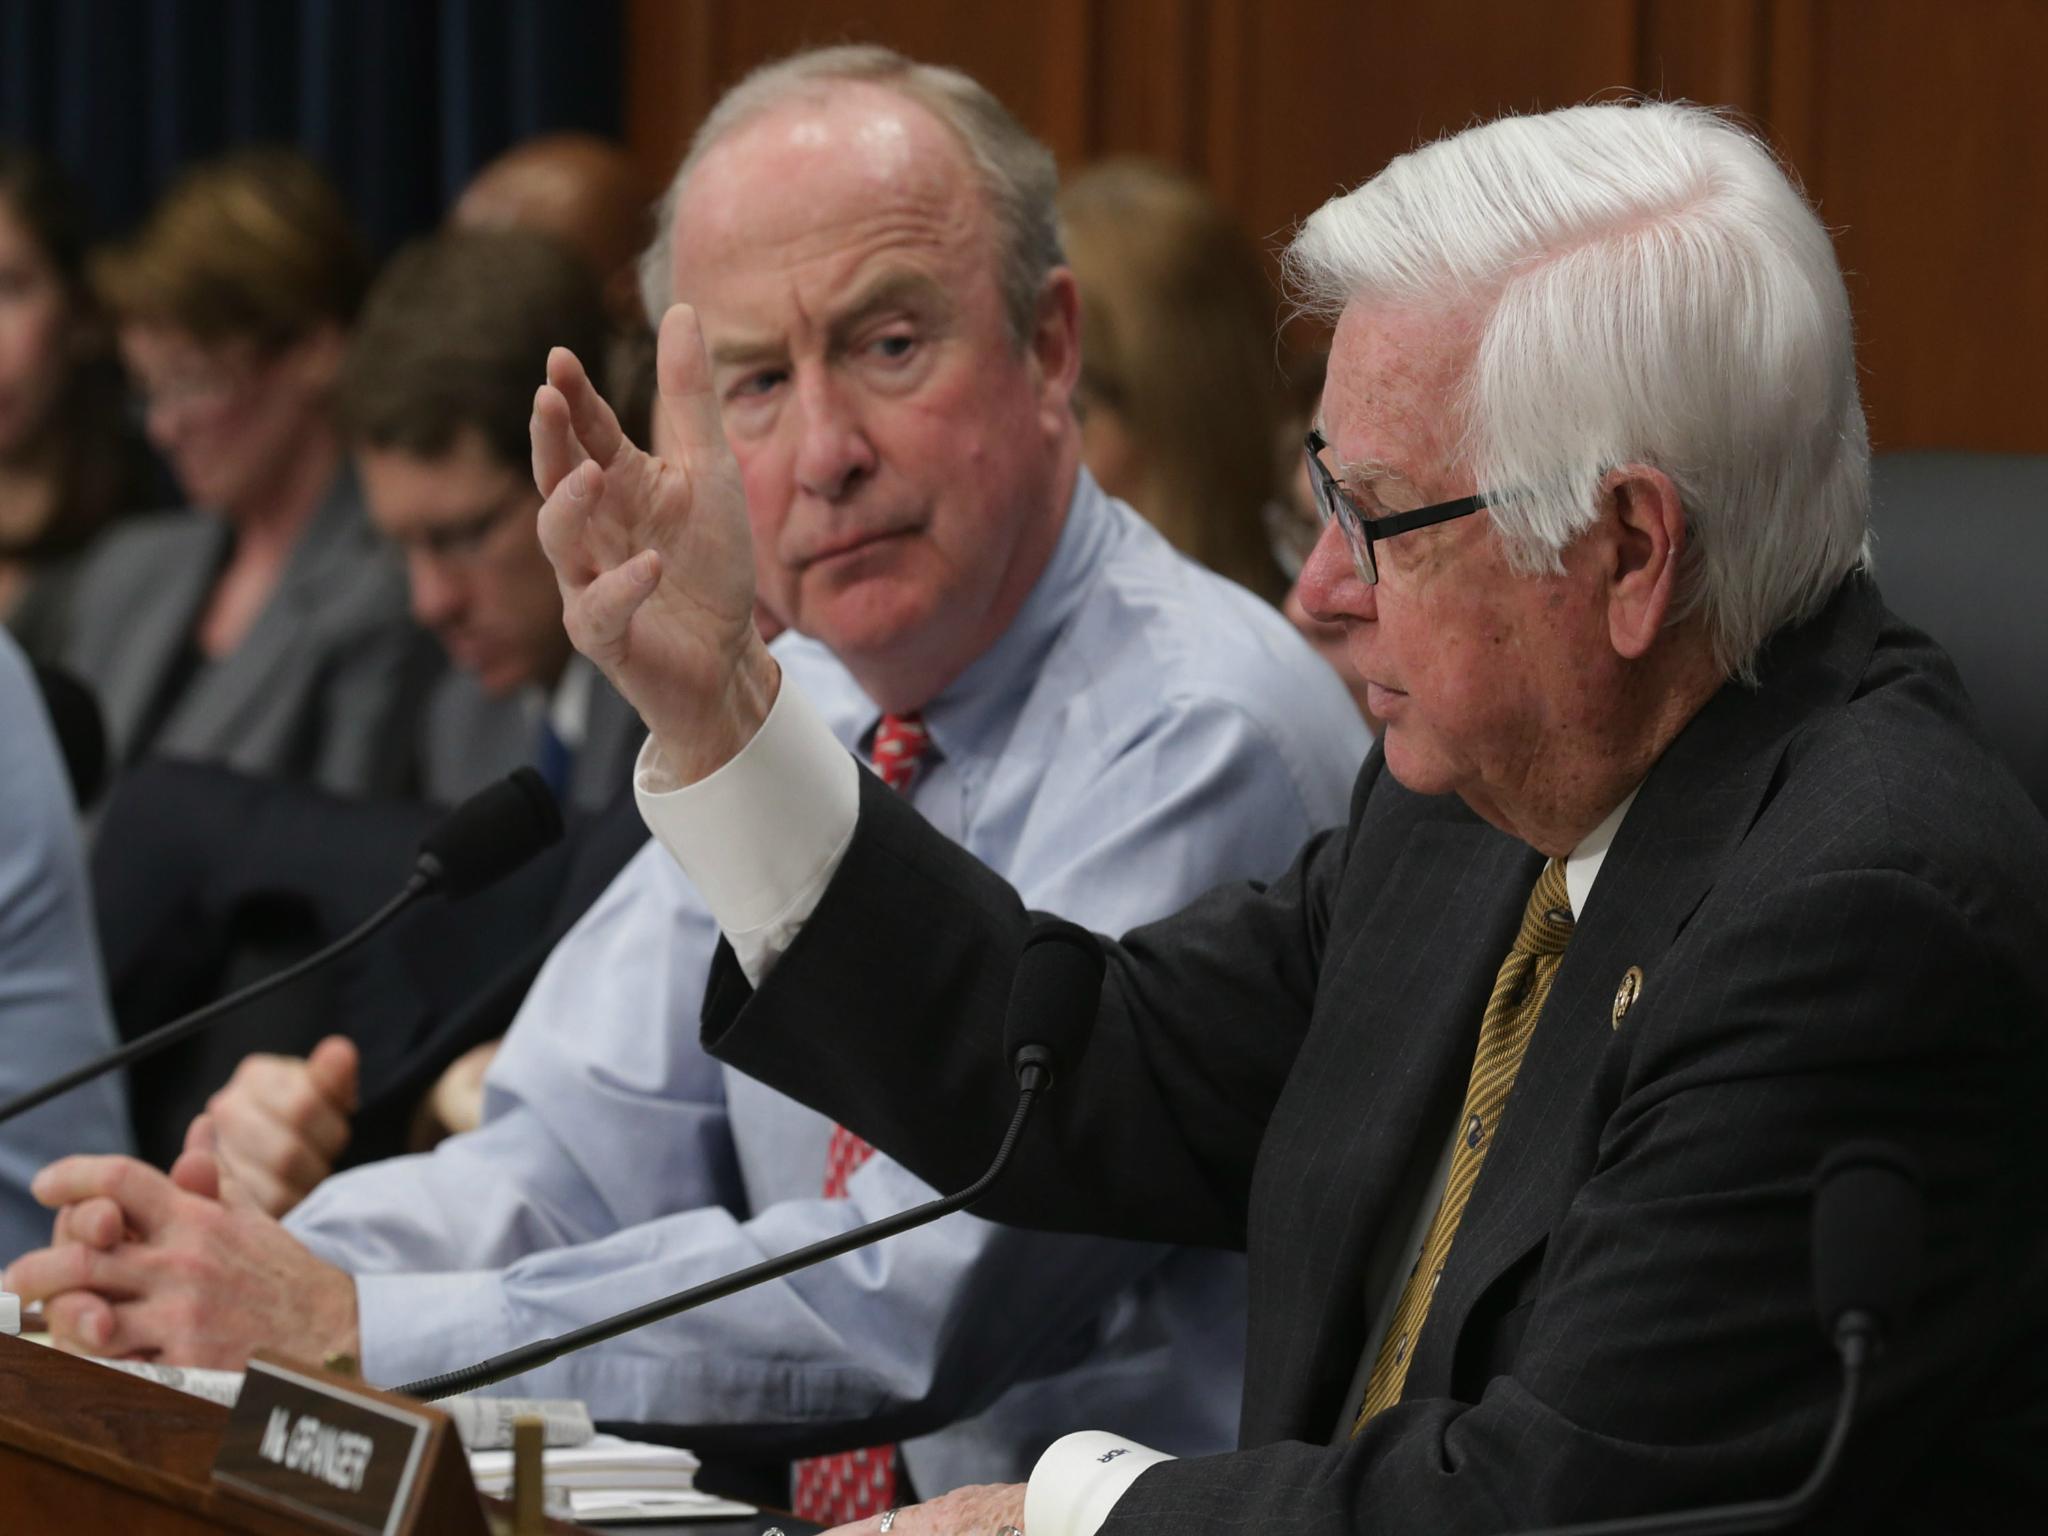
[434,404]
[586,192]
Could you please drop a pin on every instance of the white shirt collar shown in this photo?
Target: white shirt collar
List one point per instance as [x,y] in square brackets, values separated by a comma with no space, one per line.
[1583,867]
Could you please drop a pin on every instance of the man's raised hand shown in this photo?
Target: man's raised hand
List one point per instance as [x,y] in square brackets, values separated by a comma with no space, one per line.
[653,556]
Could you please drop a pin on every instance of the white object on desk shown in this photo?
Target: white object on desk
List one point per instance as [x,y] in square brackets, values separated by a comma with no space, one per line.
[615,1479]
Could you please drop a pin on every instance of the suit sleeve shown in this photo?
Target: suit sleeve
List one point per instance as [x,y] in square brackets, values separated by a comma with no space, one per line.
[1199,1021]
[1670,1355]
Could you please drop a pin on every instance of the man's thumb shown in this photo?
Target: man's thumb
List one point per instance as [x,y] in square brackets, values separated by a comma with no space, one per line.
[197,1170]
[334,1065]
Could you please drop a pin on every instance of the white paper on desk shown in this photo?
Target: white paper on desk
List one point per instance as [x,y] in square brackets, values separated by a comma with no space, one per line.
[485,1423]
[607,1463]
[595,1506]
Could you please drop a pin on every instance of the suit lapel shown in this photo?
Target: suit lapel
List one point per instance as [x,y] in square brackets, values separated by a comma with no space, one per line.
[238,696]
[1691,813]
[158,626]
[1391,1045]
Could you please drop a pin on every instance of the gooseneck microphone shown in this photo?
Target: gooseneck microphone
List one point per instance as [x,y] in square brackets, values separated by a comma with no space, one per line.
[1053,999]
[482,840]
[1867,1234]
[1052,1002]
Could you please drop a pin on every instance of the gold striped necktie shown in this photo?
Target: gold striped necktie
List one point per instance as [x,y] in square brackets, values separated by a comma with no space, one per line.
[1518,995]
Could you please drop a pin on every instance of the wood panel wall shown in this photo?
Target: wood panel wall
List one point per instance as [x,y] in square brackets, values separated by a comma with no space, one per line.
[1914,124]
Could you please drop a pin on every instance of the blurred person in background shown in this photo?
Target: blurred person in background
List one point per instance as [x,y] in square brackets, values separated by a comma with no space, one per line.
[584,191]
[53,1008]
[588,193]
[435,396]
[434,400]
[70,461]
[1294,524]
[1181,399]
[264,627]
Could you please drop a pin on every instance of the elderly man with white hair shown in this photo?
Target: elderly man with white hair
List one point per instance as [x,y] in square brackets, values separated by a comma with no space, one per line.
[1682,864]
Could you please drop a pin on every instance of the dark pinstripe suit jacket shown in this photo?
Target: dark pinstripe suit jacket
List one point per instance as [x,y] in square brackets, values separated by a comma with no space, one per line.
[1839,906]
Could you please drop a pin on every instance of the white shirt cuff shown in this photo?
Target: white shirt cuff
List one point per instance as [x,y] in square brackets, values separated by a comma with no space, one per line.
[761,837]
[1079,1479]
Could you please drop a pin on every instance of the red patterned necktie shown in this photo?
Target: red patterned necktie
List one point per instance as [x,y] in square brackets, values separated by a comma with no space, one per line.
[901,742]
[838,1490]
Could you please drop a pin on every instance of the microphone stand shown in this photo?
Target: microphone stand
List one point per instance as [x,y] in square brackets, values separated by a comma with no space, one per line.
[483,839]
[422,881]
[527,1357]
[1854,1338]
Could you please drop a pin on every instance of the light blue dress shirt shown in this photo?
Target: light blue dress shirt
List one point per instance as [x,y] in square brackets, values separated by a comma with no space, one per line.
[53,1006]
[1142,731]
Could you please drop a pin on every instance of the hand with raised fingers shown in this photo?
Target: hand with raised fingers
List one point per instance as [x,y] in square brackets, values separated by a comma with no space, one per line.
[185,1267]
[653,555]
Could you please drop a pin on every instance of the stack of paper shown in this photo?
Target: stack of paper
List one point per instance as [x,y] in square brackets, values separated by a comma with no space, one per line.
[614,1479]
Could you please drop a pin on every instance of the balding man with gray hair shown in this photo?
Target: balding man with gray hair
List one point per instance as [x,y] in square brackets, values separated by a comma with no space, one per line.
[870,246]
[1683,864]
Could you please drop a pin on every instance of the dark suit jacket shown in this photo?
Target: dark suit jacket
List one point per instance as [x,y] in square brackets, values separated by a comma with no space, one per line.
[468,739]
[1839,905]
[331,669]
[205,879]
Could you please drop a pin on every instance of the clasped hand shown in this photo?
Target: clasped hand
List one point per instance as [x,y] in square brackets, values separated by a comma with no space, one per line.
[183,1267]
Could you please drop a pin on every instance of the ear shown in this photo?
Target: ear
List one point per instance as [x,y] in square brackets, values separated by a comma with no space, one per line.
[1055,341]
[1647,531]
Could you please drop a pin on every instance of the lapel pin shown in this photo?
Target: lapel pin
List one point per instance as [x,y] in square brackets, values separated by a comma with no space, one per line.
[1626,994]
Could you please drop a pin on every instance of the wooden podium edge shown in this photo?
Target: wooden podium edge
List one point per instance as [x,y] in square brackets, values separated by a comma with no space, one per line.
[138,1436]
[158,1443]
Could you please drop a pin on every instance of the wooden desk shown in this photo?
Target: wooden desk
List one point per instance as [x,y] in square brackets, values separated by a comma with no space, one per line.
[86,1451]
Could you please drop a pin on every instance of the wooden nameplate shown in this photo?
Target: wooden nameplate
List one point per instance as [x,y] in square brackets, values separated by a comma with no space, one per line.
[339,1455]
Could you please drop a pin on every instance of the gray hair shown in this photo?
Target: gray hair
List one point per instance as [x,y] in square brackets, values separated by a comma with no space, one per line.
[1651,288]
[1016,172]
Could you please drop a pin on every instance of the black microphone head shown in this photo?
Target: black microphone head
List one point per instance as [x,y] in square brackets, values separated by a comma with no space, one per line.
[80,731]
[1053,998]
[1867,1233]
[490,834]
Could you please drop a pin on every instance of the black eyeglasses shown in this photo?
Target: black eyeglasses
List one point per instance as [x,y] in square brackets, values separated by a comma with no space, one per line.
[1362,532]
[462,542]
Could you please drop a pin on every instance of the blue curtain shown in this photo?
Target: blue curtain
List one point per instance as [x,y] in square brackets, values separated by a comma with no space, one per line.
[398,100]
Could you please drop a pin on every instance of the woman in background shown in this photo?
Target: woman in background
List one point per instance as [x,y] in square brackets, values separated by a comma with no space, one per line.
[69,460]
[266,627]
[1181,395]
